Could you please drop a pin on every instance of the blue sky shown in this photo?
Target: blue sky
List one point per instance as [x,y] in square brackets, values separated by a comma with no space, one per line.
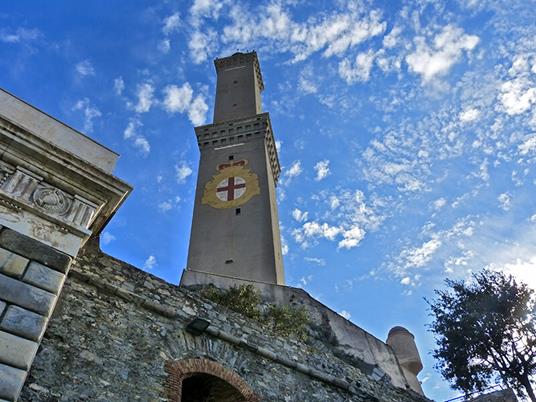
[406,132]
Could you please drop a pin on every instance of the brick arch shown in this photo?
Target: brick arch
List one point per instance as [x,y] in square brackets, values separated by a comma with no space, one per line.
[179,370]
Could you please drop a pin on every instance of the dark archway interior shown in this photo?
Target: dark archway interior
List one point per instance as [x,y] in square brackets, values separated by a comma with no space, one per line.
[208,388]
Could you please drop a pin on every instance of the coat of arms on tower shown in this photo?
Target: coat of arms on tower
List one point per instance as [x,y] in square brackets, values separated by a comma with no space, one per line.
[234,185]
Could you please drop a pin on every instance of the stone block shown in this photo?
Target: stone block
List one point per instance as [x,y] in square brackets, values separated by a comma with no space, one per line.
[43,277]
[24,323]
[12,264]
[34,250]
[26,295]
[16,351]
[11,382]
[2,307]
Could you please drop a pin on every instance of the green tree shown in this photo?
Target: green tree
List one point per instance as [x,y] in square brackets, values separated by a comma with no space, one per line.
[485,331]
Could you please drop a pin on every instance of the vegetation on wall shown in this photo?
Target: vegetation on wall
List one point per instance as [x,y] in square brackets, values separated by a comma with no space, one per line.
[284,320]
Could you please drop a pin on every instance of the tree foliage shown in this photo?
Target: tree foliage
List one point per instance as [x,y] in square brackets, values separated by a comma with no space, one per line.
[485,331]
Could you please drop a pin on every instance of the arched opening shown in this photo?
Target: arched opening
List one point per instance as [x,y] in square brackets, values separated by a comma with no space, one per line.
[203,380]
[208,388]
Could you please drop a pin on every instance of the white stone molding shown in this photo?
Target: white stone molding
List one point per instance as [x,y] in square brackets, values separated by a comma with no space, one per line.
[51,194]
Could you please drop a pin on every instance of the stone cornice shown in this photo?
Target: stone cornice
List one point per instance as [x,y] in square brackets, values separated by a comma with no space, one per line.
[238,131]
[56,185]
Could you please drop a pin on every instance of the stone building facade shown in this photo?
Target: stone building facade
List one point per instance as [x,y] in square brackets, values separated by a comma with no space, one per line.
[77,324]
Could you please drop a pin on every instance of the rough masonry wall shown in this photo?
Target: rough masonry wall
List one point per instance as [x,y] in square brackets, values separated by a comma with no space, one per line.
[115,328]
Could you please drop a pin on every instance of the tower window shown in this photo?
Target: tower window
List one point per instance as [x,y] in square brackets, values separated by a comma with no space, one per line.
[234,104]
[235,82]
[229,261]
[237,211]
[231,157]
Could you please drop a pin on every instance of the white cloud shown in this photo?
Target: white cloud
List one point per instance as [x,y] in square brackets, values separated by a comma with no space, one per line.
[168,205]
[205,8]
[150,263]
[419,256]
[177,99]
[201,44]
[142,144]
[391,39]
[85,68]
[446,50]
[299,216]
[197,111]
[345,314]
[440,203]
[90,113]
[518,95]
[333,35]
[304,281]
[505,201]
[293,171]
[322,170]
[352,237]
[334,202]
[107,238]
[316,261]
[528,145]
[359,71]
[145,96]
[406,280]
[182,172]
[306,82]
[19,35]
[469,115]
[138,140]
[314,230]
[171,23]
[164,46]
[119,85]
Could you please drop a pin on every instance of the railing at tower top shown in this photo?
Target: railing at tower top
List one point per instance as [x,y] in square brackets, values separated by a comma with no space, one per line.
[465,398]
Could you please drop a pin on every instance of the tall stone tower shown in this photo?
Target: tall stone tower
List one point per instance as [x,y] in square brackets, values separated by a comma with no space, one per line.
[235,227]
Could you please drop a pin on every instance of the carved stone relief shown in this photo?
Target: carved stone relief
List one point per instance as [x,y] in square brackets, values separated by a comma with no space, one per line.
[26,186]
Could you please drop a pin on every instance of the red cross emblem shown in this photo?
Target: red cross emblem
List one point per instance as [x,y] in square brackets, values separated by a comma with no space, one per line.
[231,188]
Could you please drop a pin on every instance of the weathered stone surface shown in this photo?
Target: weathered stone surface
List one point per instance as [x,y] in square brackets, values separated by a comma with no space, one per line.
[43,277]
[16,351]
[23,322]
[34,250]
[12,264]
[2,307]
[11,382]
[27,296]
[112,347]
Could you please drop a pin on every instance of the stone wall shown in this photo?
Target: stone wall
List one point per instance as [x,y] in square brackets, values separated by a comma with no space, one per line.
[31,277]
[117,332]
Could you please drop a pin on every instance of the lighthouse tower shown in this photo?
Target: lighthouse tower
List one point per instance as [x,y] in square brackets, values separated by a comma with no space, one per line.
[235,226]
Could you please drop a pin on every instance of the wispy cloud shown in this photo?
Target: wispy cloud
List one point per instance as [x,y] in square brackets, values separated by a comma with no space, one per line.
[85,68]
[145,95]
[182,172]
[138,140]
[90,113]
[322,170]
